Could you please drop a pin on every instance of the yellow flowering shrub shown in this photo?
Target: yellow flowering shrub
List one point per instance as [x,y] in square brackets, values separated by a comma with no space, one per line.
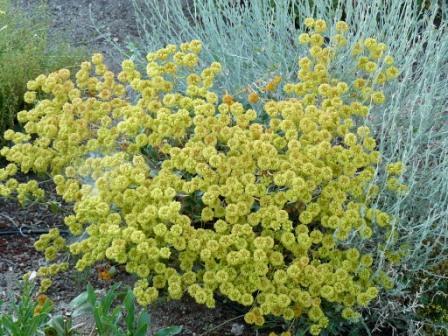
[192,193]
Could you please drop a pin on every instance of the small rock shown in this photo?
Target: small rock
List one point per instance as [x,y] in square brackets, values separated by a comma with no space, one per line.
[237,329]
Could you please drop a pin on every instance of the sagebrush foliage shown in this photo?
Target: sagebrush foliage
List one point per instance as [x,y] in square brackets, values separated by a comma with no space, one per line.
[199,194]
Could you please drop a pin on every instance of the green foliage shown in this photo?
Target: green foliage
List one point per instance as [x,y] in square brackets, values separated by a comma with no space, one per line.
[60,326]
[23,315]
[433,303]
[169,331]
[115,313]
[26,50]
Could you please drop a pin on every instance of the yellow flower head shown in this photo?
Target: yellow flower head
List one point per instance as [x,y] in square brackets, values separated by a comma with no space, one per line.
[320,26]
[98,59]
[309,22]
[304,38]
[341,27]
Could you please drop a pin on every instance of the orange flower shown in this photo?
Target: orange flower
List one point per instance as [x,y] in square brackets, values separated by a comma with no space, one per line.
[253,98]
[297,310]
[227,99]
[273,84]
[41,299]
[37,310]
[104,275]
[124,146]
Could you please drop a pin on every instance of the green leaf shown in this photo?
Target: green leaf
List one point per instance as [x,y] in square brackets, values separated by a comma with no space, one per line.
[11,326]
[91,296]
[57,323]
[106,302]
[142,324]
[81,305]
[79,300]
[98,321]
[110,326]
[54,207]
[52,331]
[116,314]
[144,319]
[129,304]
[169,331]
[142,331]
[82,309]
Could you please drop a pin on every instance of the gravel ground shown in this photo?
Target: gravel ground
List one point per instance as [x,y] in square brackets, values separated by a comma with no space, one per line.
[91,24]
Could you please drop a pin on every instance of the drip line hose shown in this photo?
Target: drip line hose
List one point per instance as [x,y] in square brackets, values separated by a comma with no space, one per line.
[27,232]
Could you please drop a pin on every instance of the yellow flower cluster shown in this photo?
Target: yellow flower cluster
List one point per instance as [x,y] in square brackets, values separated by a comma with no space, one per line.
[192,194]
[285,333]
[51,244]
[23,191]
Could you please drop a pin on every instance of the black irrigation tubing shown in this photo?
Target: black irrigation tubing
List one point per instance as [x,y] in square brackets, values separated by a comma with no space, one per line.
[28,232]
